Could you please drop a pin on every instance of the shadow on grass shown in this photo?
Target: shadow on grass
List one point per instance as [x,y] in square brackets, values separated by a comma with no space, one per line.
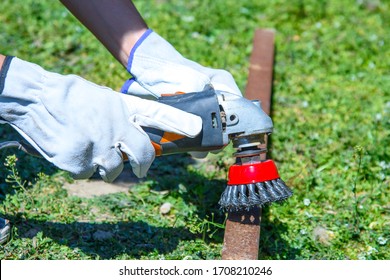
[136,239]
[27,166]
[171,173]
[107,240]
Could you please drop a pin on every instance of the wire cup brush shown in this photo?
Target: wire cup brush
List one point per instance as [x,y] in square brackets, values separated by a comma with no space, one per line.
[253,184]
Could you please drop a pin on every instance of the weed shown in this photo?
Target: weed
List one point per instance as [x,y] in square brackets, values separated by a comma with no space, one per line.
[207,227]
[13,176]
[14,179]
[359,151]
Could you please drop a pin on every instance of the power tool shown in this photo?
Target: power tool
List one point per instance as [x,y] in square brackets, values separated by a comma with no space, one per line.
[226,118]
[229,118]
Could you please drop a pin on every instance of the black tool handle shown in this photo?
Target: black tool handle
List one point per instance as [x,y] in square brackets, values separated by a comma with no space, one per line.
[204,104]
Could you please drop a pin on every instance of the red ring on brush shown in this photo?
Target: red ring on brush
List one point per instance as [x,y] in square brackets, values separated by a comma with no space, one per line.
[250,173]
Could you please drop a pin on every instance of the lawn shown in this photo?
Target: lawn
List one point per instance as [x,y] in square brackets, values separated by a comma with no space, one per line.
[331,112]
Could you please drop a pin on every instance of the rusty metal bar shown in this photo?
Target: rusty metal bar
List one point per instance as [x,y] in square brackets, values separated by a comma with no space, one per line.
[242,235]
[242,232]
[260,77]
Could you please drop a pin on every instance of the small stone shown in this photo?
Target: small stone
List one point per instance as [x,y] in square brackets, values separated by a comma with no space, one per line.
[322,235]
[165,208]
[382,240]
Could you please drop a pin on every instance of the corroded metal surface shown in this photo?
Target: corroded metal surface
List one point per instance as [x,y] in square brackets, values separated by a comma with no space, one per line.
[242,235]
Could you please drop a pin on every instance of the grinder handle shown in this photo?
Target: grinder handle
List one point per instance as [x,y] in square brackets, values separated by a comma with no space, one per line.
[204,104]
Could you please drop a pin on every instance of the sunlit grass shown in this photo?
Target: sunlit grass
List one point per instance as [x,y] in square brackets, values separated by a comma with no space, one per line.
[331,111]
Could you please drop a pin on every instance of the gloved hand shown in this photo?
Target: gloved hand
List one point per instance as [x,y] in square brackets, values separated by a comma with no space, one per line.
[158,68]
[81,127]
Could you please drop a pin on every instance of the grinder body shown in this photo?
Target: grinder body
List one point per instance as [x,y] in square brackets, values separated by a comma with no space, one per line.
[253,182]
[224,116]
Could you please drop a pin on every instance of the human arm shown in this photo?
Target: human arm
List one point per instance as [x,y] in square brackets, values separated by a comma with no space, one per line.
[116,23]
[2,57]
[155,65]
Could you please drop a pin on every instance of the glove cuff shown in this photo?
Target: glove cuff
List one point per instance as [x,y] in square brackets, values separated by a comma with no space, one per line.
[4,71]
[128,83]
[135,47]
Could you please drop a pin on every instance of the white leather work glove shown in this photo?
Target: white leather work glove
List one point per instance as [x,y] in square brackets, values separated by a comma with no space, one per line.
[158,68]
[81,127]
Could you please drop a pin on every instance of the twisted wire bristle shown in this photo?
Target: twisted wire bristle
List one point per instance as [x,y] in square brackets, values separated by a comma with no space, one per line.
[246,196]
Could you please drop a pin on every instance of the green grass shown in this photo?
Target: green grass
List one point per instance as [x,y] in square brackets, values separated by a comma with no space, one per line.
[331,111]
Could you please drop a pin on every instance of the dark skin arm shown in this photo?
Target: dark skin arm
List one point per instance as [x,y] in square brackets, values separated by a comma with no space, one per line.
[2,57]
[116,23]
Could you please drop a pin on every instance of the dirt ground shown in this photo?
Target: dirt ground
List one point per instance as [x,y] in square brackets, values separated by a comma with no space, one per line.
[96,186]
